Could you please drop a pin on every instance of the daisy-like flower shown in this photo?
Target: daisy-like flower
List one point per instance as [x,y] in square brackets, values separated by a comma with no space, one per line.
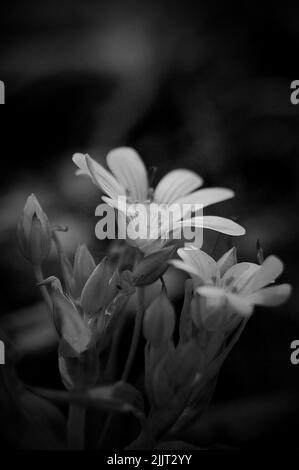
[127,181]
[237,287]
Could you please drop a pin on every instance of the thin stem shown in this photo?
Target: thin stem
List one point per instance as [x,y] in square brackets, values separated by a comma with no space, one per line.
[104,431]
[76,427]
[44,291]
[136,333]
[131,355]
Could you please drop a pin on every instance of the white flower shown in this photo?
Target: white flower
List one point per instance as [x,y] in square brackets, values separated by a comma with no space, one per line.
[128,182]
[238,287]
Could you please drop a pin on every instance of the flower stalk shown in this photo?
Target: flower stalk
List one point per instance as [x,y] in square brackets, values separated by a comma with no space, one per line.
[136,332]
[76,427]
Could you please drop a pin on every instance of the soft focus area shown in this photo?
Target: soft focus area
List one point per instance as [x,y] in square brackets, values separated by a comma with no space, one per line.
[198,86]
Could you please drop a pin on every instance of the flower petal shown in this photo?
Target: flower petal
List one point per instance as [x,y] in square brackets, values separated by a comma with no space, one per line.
[228,260]
[240,304]
[104,180]
[211,291]
[205,266]
[207,196]
[130,171]
[80,161]
[271,268]
[220,224]
[176,184]
[239,276]
[177,263]
[270,296]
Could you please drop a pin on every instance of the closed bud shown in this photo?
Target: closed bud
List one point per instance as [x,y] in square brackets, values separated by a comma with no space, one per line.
[159,321]
[34,232]
[259,252]
[153,266]
[68,321]
[95,290]
[84,265]
[78,358]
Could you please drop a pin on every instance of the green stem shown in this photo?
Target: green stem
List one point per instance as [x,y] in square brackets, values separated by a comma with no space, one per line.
[44,291]
[136,333]
[76,427]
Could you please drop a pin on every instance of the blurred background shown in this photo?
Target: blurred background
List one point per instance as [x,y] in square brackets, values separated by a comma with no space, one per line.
[198,85]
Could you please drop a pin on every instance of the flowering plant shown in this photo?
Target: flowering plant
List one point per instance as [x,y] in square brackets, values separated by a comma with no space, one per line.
[183,351]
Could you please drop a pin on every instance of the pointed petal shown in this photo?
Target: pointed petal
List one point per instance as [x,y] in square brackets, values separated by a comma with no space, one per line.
[220,224]
[270,296]
[176,184]
[83,267]
[228,260]
[271,268]
[207,196]
[80,161]
[238,277]
[95,290]
[130,171]
[69,324]
[104,180]
[177,263]
[205,266]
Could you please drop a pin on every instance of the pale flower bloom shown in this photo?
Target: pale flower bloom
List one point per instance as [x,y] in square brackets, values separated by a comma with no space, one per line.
[236,286]
[126,187]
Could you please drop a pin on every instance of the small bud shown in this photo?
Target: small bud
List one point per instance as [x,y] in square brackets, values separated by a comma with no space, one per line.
[84,265]
[95,290]
[34,232]
[228,260]
[153,266]
[68,322]
[68,275]
[260,252]
[159,321]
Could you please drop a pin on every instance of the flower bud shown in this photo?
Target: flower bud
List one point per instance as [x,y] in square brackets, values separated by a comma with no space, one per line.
[95,290]
[34,232]
[84,265]
[259,252]
[78,358]
[68,322]
[159,321]
[153,266]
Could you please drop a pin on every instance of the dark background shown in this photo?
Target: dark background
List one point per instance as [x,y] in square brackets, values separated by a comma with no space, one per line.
[204,86]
